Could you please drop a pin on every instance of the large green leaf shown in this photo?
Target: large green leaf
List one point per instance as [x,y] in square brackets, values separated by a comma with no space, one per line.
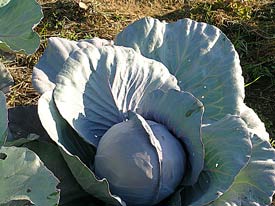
[3,119]
[17,20]
[70,190]
[200,56]
[255,184]
[53,58]
[25,180]
[227,151]
[24,133]
[181,113]
[105,83]
[255,125]
[61,132]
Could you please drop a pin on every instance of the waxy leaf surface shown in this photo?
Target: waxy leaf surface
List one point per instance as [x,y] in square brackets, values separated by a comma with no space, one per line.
[55,55]
[254,185]
[25,179]
[227,151]
[17,20]
[105,83]
[201,57]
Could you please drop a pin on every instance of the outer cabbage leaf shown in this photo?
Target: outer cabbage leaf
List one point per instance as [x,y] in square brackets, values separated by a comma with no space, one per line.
[3,119]
[70,145]
[70,190]
[22,175]
[227,150]
[105,83]
[6,79]
[88,181]
[181,113]
[61,132]
[55,55]
[255,125]
[17,19]
[200,56]
[254,185]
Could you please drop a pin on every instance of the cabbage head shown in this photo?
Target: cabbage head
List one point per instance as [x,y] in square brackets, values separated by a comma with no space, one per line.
[155,117]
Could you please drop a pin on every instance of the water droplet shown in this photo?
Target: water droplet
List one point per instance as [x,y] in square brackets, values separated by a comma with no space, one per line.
[189,60]
[219,193]
[179,82]
[204,87]
[202,97]
[237,129]
[216,165]
[95,136]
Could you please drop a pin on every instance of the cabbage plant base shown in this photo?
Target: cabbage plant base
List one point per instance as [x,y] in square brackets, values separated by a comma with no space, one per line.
[185,76]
